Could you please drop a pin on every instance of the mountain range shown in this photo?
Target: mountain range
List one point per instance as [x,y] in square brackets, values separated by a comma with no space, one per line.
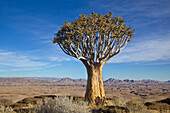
[69,80]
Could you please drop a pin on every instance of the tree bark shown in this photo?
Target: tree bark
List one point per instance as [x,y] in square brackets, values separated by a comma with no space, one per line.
[95,88]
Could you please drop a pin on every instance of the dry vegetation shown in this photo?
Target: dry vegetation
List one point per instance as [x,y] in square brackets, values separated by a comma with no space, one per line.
[122,97]
[61,105]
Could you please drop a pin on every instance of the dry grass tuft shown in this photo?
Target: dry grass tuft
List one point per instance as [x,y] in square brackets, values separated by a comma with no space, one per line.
[4,109]
[5,102]
[136,107]
[61,105]
[120,101]
[161,107]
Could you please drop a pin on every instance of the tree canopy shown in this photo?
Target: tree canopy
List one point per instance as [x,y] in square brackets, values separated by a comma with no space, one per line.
[94,38]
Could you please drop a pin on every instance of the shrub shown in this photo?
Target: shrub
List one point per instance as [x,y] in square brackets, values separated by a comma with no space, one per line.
[162,107]
[4,109]
[61,105]
[136,107]
[5,102]
[120,101]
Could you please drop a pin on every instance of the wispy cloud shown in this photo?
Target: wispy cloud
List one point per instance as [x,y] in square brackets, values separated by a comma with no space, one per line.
[26,69]
[136,12]
[145,51]
[4,53]
[34,68]
[60,59]
[150,8]
[2,70]
[30,60]
[14,59]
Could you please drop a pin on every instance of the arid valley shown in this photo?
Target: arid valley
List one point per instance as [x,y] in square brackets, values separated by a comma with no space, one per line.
[13,90]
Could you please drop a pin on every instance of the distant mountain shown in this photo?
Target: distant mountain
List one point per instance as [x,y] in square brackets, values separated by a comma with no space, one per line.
[42,80]
[50,79]
[69,80]
[21,80]
[168,81]
[150,81]
[65,80]
[79,80]
[58,80]
[127,80]
[112,80]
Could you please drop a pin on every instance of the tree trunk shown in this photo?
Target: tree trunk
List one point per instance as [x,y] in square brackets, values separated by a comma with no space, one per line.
[95,88]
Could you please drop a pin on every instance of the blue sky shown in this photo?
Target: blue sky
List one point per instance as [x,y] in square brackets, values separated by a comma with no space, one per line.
[26,27]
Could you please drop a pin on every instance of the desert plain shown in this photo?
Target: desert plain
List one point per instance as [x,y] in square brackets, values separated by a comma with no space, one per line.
[16,89]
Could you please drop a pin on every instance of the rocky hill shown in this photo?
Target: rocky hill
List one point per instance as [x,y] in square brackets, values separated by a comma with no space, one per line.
[151,81]
[168,81]
[112,80]
[69,80]
[65,80]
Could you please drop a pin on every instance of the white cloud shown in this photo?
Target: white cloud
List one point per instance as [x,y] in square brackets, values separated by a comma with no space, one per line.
[145,51]
[17,60]
[30,60]
[26,69]
[2,70]
[59,59]
[137,12]
[33,68]
[148,8]
[5,53]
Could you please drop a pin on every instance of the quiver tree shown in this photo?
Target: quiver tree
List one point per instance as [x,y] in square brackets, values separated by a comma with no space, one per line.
[94,39]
